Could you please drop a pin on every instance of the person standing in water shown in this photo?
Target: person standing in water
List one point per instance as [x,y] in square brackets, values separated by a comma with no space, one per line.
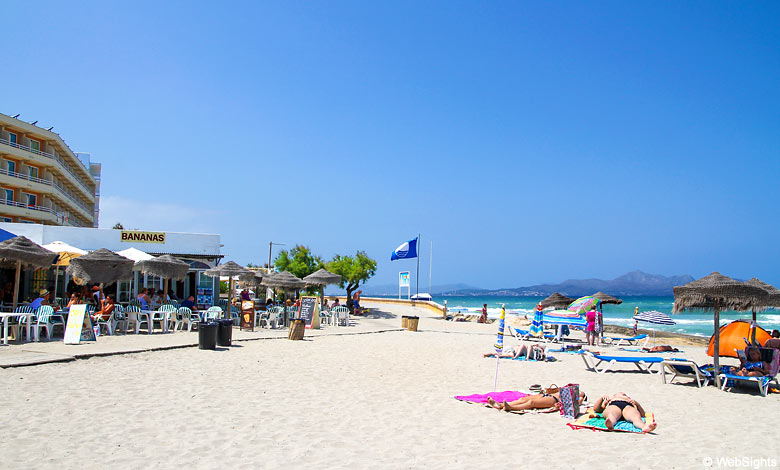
[483,317]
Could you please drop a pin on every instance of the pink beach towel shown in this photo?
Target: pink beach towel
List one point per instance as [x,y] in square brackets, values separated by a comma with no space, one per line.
[497,396]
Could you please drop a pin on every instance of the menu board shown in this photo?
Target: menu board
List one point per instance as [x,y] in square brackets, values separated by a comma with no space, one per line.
[79,326]
[309,311]
[248,315]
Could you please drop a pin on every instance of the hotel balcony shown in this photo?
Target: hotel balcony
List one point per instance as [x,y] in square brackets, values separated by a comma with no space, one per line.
[46,187]
[47,159]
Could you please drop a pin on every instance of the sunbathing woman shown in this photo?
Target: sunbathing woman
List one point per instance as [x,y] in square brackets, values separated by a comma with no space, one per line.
[662,348]
[621,406]
[531,402]
[753,366]
[522,350]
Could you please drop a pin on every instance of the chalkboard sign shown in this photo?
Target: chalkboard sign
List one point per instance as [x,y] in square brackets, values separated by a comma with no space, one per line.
[308,310]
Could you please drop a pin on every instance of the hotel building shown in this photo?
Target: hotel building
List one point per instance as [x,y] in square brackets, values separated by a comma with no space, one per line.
[42,181]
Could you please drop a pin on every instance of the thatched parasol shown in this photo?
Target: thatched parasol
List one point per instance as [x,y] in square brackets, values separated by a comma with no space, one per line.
[284,279]
[23,251]
[321,278]
[230,269]
[166,267]
[101,266]
[607,299]
[717,292]
[772,300]
[557,301]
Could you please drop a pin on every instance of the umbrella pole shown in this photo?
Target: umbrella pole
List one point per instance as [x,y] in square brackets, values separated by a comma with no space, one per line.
[16,284]
[716,345]
[230,298]
[753,328]
[56,278]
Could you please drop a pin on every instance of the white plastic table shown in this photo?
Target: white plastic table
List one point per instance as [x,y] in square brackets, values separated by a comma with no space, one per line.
[6,315]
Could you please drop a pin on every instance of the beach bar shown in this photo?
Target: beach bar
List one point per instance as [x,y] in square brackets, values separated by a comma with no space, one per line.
[199,250]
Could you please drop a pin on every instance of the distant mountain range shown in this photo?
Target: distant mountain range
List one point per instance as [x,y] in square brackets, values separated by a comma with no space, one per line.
[633,283]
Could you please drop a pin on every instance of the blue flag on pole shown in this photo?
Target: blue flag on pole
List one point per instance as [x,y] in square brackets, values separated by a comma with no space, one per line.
[406,250]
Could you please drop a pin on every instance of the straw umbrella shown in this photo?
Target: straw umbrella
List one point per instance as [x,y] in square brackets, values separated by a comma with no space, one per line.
[101,267]
[556,301]
[67,252]
[717,292]
[285,280]
[607,299]
[166,267]
[321,278]
[229,269]
[773,300]
[23,251]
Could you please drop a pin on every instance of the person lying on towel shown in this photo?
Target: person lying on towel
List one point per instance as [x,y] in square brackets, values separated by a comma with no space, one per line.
[622,407]
[540,401]
[661,348]
[753,366]
[534,352]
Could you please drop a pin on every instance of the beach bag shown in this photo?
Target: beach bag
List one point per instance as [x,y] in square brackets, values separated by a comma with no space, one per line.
[536,354]
[570,400]
[551,389]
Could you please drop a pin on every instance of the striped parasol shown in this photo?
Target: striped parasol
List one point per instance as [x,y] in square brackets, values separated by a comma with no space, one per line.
[500,336]
[584,304]
[537,326]
[655,317]
[564,317]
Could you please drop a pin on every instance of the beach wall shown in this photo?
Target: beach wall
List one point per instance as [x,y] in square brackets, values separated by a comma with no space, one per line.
[433,306]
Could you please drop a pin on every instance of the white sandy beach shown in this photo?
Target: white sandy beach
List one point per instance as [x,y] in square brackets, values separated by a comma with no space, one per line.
[375,400]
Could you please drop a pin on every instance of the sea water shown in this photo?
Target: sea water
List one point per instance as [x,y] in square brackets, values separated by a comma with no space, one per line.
[692,323]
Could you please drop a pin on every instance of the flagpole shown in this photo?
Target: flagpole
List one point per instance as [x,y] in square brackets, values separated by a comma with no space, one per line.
[418,266]
[430,271]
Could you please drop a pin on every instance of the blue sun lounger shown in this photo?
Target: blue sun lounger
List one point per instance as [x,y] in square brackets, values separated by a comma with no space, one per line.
[685,368]
[770,355]
[525,334]
[644,363]
[628,341]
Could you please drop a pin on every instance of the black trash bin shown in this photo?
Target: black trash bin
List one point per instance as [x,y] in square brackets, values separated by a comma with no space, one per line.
[207,335]
[225,335]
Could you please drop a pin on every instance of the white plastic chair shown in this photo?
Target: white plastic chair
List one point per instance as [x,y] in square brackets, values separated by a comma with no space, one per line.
[166,316]
[119,319]
[186,316]
[46,319]
[341,313]
[137,317]
[109,323]
[20,328]
[270,318]
[213,313]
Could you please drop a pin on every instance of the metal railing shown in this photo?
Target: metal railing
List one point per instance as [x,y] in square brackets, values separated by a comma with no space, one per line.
[26,206]
[62,189]
[52,156]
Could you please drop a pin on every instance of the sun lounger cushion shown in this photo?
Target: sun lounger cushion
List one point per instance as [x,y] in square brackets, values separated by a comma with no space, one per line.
[632,359]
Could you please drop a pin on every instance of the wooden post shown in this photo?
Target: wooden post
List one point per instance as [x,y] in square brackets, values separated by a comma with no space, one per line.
[716,345]
[16,284]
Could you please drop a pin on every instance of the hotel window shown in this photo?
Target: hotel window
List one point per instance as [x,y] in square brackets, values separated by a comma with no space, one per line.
[35,145]
[6,219]
[8,194]
[25,221]
[32,200]
[33,172]
[12,138]
[11,166]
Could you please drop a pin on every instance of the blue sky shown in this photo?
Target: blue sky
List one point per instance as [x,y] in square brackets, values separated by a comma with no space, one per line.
[532,142]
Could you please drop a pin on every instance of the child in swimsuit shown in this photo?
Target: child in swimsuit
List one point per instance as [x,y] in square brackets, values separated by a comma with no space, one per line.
[622,407]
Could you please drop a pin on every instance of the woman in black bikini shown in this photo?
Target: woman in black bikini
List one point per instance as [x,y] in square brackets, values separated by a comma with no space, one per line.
[621,406]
